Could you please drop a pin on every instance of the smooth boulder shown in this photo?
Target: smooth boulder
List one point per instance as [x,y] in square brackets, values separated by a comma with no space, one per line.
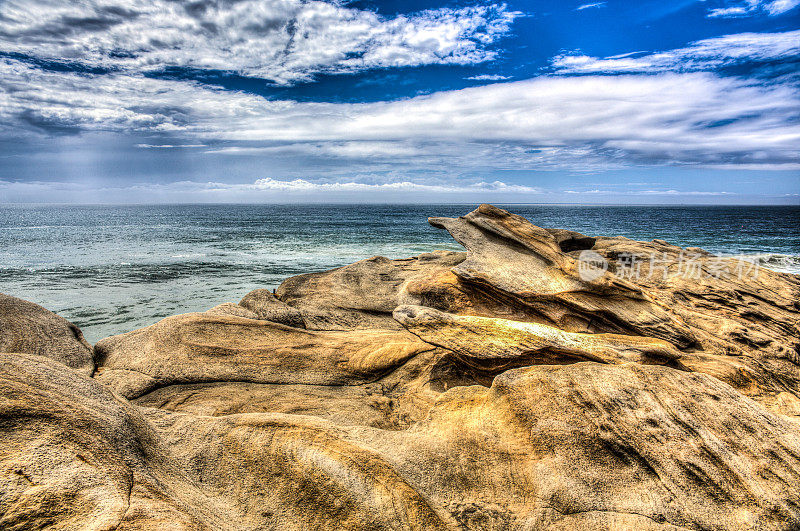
[28,328]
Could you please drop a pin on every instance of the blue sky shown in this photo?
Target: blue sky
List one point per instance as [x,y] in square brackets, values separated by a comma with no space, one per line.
[287,100]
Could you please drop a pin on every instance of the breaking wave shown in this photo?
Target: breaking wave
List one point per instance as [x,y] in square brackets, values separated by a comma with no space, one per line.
[785,263]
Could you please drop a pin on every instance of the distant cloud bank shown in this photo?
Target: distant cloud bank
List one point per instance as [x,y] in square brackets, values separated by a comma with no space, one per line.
[488,77]
[276,190]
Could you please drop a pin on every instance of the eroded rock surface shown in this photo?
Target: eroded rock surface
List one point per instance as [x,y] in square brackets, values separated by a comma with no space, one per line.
[628,446]
[515,260]
[266,306]
[746,319]
[210,347]
[496,344]
[497,388]
[547,447]
[76,457]
[364,294]
[28,328]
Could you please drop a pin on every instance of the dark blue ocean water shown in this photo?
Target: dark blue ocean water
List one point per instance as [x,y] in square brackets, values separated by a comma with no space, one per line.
[111,269]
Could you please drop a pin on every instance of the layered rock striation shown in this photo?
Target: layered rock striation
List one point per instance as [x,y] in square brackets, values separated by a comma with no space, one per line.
[509,386]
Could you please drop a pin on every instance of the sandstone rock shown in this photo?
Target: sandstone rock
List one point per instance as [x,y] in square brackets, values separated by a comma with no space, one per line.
[393,402]
[229,308]
[357,405]
[746,319]
[595,446]
[197,348]
[742,330]
[499,344]
[546,447]
[99,463]
[364,294]
[75,457]
[568,240]
[28,328]
[587,445]
[298,472]
[267,307]
[516,260]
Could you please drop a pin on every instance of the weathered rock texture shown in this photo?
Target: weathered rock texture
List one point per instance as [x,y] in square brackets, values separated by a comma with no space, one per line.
[364,294]
[74,456]
[525,265]
[28,328]
[203,347]
[491,389]
[266,306]
[493,344]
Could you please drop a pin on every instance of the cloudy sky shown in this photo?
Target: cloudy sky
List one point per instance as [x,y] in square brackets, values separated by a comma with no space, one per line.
[639,101]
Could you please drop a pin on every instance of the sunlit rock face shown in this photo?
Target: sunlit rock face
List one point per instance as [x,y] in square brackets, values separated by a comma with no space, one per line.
[503,387]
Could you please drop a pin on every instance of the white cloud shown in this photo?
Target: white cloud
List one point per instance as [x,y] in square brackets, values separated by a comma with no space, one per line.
[169,146]
[706,54]
[302,185]
[344,150]
[280,40]
[724,12]
[779,7]
[266,189]
[670,192]
[787,166]
[590,6]
[588,122]
[279,190]
[488,77]
[741,8]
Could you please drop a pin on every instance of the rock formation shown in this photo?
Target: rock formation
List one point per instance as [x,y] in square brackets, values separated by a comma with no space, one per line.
[28,328]
[494,344]
[267,307]
[498,388]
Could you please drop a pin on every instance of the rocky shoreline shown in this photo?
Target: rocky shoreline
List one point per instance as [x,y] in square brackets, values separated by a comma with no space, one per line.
[504,387]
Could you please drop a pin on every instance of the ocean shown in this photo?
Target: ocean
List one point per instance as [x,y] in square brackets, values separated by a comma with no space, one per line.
[112,269]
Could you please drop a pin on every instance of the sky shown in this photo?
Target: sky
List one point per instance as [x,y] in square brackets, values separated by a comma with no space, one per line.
[172,101]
